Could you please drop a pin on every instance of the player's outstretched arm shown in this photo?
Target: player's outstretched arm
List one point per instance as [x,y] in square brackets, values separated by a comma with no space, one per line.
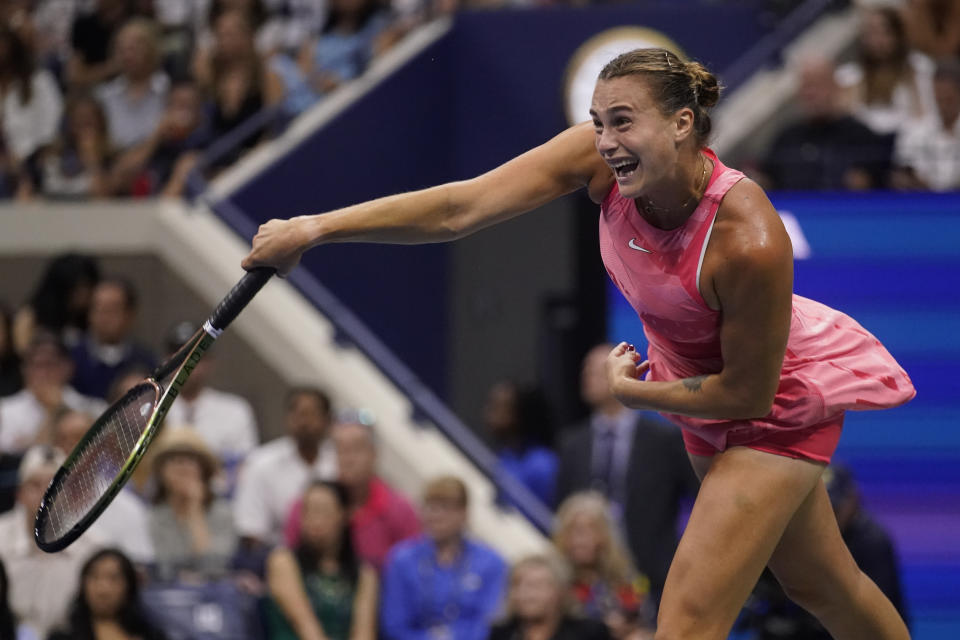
[564,164]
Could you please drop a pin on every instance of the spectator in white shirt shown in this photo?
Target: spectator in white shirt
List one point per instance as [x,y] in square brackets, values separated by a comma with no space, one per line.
[134,101]
[224,420]
[25,414]
[888,85]
[42,584]
[927,153]
[276,474]
[30,109]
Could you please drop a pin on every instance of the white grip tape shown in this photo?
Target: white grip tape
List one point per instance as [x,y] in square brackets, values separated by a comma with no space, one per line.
[212,330]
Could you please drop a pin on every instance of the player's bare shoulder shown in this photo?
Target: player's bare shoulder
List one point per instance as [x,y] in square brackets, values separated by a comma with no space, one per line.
[747,223]
[748,236]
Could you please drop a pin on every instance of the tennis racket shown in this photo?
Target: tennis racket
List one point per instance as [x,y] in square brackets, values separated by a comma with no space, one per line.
[103,460]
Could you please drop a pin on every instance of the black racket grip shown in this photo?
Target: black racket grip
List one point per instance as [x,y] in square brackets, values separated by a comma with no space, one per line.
[242,293]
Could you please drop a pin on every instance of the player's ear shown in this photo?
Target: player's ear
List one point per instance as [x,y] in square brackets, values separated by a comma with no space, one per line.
[683,124]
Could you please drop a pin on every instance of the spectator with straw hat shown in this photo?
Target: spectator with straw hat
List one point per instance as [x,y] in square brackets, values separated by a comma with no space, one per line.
[192,530]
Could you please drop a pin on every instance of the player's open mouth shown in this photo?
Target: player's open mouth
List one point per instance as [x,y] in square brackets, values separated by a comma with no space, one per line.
[625,168]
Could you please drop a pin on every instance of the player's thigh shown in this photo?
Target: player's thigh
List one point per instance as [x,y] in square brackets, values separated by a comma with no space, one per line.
[745,502]
[811,561]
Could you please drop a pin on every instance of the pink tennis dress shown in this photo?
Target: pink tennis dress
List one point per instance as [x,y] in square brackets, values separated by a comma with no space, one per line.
[832,364]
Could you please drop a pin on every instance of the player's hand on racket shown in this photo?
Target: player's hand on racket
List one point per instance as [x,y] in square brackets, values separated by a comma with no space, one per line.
[278,244]
[625,362]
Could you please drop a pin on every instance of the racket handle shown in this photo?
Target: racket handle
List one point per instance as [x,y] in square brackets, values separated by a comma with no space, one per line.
[242,293]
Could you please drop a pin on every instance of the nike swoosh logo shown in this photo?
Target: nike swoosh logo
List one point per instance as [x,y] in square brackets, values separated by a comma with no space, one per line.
[633,245]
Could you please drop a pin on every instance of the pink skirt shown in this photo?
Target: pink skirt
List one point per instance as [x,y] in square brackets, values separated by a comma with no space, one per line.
[831,365]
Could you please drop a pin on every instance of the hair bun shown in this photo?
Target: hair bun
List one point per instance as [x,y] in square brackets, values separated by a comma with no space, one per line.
[706,89]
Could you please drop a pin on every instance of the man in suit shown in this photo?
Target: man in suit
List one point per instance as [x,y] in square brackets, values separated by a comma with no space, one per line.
[637,461]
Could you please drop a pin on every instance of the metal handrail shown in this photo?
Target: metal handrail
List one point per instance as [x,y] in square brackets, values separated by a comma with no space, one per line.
[228,143]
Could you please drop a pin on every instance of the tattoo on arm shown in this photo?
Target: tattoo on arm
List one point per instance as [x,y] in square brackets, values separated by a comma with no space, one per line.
[694,384]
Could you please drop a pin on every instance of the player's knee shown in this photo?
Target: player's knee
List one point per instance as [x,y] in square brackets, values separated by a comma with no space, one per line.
[809,594]
[821,594]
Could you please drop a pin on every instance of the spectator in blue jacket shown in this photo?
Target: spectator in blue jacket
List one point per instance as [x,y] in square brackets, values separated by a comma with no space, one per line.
[442,585]
[518,419]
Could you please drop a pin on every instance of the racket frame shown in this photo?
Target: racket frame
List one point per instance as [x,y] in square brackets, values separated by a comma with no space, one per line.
[183,362]
[180,365]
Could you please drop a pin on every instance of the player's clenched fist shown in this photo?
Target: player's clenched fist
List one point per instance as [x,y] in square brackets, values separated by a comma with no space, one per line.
[278,244]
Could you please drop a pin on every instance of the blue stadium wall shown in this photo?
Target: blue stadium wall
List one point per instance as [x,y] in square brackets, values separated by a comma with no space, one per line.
[893,262]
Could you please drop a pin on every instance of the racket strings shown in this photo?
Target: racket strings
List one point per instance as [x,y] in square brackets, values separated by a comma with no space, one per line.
[98,461]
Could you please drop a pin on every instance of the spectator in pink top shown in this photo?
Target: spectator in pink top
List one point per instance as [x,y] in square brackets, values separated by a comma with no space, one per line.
[379,515]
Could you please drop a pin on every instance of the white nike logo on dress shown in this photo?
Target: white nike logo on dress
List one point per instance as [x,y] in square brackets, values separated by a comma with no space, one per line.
[633,245]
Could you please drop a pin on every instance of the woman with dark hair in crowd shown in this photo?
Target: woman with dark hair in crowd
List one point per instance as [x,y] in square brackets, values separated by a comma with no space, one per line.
[75,165]
[518,421]
[11,379]
[231,72]
[887,85]
[231,43]
[254,10]
[108,604]
[30,111]
[60,302]
[91,38]
[321,590]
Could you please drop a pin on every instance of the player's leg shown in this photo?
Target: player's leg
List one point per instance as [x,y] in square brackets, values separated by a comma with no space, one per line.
[817,572]
[746,500]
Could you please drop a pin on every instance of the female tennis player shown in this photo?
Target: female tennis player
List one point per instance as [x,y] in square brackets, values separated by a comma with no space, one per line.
[757,378]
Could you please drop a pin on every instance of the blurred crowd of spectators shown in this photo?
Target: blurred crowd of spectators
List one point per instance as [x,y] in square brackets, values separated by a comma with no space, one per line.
[119,97]
[887,118]
[218,535]
[106,98]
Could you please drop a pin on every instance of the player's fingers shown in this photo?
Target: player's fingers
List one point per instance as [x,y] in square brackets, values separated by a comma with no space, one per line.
[643,367]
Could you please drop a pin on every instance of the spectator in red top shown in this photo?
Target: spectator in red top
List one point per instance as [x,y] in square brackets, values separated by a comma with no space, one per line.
[380,517]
